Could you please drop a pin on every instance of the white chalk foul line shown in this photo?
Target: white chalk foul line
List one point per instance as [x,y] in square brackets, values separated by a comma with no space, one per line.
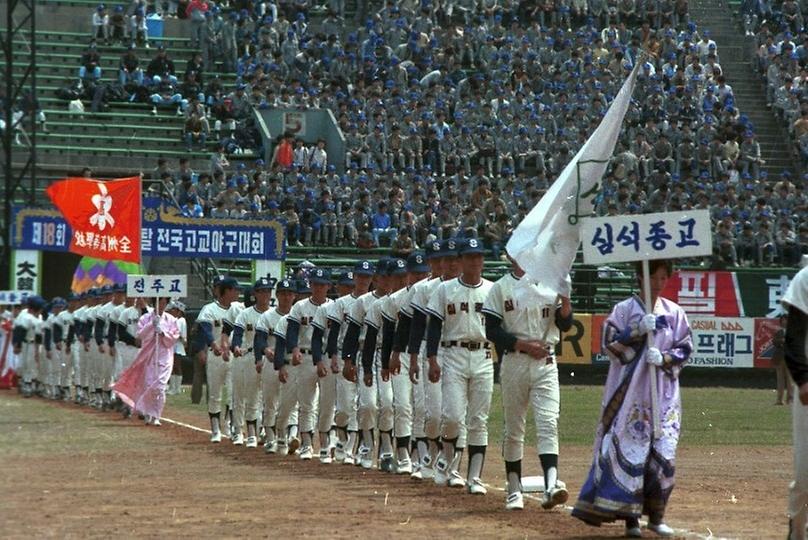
[568,509]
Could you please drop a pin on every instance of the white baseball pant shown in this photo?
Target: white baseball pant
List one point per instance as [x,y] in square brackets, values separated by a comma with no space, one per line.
[76,350]
[307,390]
[246,384]
[468,383]
[28,357]
[107,368]
[403,399]
[65,364]
[528,383]
[272,391]
[86,366]
[217,371]
[287,409]
[345,416]
[798,490]
[418,395]
[433,397]
[375,402]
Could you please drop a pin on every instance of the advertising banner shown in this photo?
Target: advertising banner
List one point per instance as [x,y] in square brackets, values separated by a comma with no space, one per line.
[722,342]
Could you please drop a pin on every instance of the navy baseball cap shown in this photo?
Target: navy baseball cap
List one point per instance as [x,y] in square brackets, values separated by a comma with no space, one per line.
[106,289]
[303,286]
[320,276]
[471,246]
[346,279]
[93,293]
[433,250]
[119,287]
[364,268]
[218,281]
[58,301]
[397,267]
[229,282]
[416,262]
[449,248]
[35,302]
[262,284]
[381,267]
[286,285]
[72,297]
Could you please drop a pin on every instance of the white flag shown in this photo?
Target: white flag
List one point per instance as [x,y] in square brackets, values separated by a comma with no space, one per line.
[545,242]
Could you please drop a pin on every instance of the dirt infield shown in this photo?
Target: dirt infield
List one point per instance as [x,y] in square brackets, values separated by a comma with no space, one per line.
[73,472]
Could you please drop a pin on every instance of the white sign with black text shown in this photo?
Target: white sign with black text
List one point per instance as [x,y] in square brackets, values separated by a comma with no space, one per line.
[159,286]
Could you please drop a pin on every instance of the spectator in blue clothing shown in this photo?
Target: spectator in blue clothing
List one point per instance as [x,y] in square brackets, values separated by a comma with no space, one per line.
[382,225]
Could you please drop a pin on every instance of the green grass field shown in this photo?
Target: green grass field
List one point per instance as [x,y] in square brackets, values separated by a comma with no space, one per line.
[712,416]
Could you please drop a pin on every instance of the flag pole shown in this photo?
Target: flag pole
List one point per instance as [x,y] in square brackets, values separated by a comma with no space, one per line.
[646,290]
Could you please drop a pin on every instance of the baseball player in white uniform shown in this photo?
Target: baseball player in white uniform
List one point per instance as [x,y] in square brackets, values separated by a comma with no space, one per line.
[355,337]
[345,417]
[104,364]
[68,346]
[127,344]
[285,292]
[177,309]
[417,269]
[246,379]
[376,396]
[449,263]
[419,446]
[51,330]
[80,366]
[525,338]
[288,375]
[26,340]
[456,330]
[113,314]
[313,379]
[214,347]
[90,353]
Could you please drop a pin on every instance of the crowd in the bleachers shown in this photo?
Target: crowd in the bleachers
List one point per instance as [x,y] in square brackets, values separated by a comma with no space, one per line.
[458,116]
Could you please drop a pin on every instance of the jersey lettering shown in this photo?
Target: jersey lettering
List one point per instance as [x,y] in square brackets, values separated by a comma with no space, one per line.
[450,309]
[478,307]
[545,312]
[464,306]
[509,305]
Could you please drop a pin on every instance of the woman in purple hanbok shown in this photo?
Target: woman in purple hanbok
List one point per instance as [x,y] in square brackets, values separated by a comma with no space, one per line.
[633,468]
[143,385]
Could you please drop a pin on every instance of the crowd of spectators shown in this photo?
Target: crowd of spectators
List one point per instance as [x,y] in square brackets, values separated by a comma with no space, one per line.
[458,115]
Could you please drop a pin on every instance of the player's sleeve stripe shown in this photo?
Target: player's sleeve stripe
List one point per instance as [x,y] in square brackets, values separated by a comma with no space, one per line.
[432,313]
[492,311]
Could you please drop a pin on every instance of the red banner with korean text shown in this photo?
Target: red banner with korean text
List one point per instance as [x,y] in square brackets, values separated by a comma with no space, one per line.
[104,216]
[705,293]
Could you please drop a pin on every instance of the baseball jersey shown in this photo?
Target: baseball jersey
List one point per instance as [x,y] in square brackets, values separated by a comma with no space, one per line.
[114,317]
[65,320]
[359,310]
[374,316]
[214,314]
[179,347]
[534,322]
[409,293]
[393,302]
[420,296]
[280,327]
[129,318]
[32,324]
[338,312]
[79,319]
[103,315]
[460,307]
[303,314]
[268,320]
[247,321]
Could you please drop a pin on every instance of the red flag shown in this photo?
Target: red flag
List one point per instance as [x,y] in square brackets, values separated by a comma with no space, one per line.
[104,216]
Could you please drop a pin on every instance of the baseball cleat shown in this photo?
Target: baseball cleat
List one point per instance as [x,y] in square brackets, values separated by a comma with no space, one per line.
[294,444]
[252,442]
[476,487]
[386,463]
[349,460]
[339,452]
[156,421]
[661,529]
[238,439]
[282,448]
[555,496]
[633,531]
[416,474]
[427,472]
[325,457]
[306,452]
[455,480]
[515,501]
[441,475]
[215,437]
[404,467]
[270,447]
[365,457]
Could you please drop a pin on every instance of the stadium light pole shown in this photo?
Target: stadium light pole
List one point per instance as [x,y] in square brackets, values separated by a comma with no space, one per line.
[20,181]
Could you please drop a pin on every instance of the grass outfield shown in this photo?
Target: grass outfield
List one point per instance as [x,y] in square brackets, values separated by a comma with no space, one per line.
[712,416]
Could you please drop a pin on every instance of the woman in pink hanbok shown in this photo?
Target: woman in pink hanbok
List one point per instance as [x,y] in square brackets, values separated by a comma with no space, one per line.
[143,385]
[633,468]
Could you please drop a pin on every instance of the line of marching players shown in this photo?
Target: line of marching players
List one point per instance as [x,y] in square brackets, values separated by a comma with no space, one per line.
[75,348]
[396,373]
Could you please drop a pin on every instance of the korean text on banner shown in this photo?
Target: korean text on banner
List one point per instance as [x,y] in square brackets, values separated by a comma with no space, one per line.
[159,286]
[722,342]
[13,298]
[668,235]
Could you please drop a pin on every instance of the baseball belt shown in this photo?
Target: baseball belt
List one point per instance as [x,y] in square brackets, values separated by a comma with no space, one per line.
[470,345]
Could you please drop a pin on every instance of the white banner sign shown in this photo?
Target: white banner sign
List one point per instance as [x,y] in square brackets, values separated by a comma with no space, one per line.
[13,298]
[723,342]
[667,235]
[163,286]
[26,270]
